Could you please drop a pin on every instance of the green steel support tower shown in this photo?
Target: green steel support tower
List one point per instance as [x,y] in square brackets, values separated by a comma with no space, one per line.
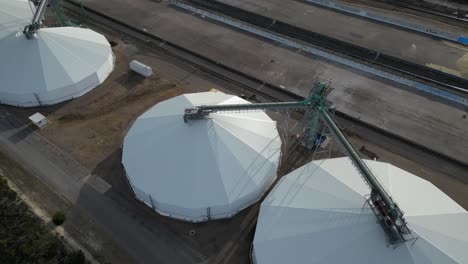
[386,210]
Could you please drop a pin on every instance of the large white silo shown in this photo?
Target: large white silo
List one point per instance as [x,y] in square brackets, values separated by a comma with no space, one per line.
[204,169]
[15,15]
[317,214]
[55,65]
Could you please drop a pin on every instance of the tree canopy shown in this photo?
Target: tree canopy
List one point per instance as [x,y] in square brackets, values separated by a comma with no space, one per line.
[24,238]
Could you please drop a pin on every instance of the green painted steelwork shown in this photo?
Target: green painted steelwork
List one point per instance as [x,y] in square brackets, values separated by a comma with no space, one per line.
[61,18]
[315,97]
[395,225]
[366,172]
[308,139]
[386,210]
[59,13]
[35,25]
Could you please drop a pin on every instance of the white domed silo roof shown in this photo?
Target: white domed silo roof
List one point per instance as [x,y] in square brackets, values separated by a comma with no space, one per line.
[59,64]
[204,169]
[315,214]
[14,15]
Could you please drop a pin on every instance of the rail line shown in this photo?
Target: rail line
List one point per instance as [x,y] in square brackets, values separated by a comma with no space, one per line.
[389,63]
[240,82]
[179,53]
[450,13]
[378,17]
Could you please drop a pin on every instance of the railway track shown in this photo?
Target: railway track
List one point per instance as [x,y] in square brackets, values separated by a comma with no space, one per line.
[176,52]
[241,83]
[383,61]
[445,12]
[356,11]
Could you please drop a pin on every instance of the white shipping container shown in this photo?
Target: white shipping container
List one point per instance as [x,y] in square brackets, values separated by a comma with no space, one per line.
[141,68]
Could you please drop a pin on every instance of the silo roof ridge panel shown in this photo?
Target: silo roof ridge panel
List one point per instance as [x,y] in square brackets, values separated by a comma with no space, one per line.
[191,168]
[175,106]
[357,243]
[302,183]
[239,179]
[191,183]
[14,15]
[381,172]
[340,169]
[153,139]
[442,237]
[258,143]
[55,75]
[83,35]
[299,221]
[70,59]
[233,100]
[146,125]
[240,147]
[308,197]
[435,202]
[58,68]
[261,127]
[11,10]
[12,74]
[92,55]
[257,116]
[206,98]
[228,172]
[223,160]
[8,26]
[450,237]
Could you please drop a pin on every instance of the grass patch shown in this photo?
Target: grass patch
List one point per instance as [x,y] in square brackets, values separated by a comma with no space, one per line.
[59,218]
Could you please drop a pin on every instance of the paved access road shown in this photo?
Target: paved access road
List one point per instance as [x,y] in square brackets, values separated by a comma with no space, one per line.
[45,161]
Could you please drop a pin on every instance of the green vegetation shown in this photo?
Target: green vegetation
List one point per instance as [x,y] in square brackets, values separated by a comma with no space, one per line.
[24,238]
[59,218]
[75,257]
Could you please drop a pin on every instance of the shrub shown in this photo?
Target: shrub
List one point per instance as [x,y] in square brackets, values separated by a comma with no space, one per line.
[75,257]
[59,218]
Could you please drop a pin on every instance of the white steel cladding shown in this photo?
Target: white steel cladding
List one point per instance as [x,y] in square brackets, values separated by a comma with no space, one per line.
[58,64]
[315,214]
[204,169]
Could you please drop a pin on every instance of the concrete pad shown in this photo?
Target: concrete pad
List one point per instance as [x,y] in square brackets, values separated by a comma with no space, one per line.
[413,116]
[98,184]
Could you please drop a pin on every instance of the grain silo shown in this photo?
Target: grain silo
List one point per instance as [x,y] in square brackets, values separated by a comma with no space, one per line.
[318,214]
[207,169]
[15,15]
[44,66]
